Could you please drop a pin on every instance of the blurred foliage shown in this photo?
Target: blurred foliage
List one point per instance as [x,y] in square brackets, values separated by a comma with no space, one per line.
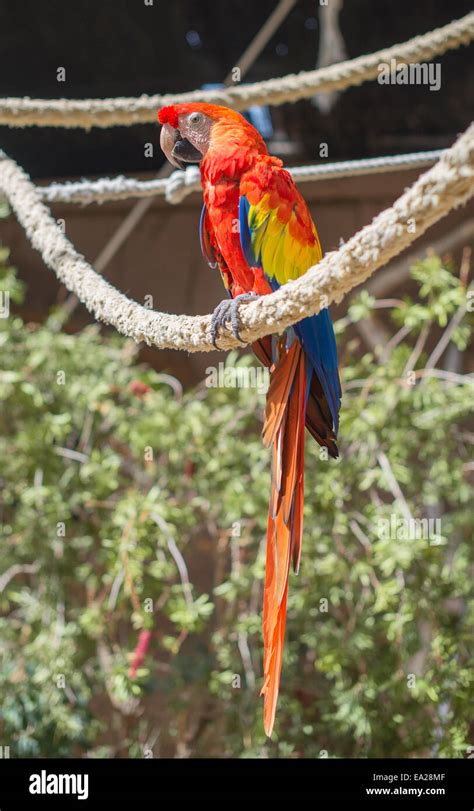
[127,506]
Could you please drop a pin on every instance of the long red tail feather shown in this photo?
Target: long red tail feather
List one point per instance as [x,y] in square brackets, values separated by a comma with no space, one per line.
[284,428]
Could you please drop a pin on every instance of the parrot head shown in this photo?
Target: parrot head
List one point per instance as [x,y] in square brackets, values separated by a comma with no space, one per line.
[192,131]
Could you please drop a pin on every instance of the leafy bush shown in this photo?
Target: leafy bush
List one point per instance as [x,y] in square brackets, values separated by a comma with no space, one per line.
[128,508]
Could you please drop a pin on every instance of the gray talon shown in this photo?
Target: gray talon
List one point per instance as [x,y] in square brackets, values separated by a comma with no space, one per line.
[228,310]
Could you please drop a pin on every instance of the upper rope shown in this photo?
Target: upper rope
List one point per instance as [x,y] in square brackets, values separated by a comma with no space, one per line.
[122,111]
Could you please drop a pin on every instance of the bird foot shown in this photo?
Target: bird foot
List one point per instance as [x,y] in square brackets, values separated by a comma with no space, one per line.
[228,310]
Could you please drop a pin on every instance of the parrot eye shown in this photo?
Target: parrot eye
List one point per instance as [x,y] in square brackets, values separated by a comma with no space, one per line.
[195,118]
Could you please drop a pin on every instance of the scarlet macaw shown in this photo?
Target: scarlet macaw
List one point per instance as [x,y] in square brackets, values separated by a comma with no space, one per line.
[256,228]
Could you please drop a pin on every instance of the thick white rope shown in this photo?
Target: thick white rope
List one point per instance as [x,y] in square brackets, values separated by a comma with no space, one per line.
[448,184]
[86,113]
[176,187]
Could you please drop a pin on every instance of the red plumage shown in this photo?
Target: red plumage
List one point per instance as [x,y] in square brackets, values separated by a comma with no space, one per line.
[236,164]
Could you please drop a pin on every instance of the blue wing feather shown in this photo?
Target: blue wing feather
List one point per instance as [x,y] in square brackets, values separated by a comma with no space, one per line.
[317,337]
[246,234]
[206,247]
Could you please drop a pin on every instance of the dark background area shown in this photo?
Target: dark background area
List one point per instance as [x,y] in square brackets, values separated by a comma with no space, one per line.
[124,47]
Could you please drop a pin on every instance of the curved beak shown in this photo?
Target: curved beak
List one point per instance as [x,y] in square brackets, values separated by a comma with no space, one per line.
[179,151]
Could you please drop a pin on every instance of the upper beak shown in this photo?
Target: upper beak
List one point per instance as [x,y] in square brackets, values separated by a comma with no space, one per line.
[178,150]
